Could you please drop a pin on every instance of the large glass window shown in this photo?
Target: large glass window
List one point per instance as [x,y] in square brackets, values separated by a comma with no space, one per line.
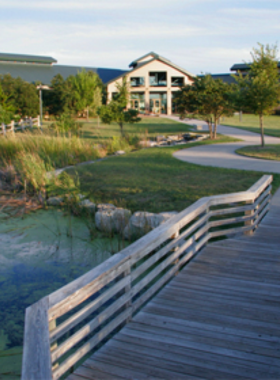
[158,102]
[177,81]
[137,101]
[158,79]
[137,81]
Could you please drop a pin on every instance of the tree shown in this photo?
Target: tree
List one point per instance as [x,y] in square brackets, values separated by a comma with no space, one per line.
[260,88]
[22,95]
[116,111]
[6,108]
[207,98]
[87,87]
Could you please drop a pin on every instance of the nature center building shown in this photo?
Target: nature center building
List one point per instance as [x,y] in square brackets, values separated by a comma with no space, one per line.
[153,81]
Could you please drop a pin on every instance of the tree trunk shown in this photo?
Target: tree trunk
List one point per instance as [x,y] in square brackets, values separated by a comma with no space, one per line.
[215,127]
[210,130]
[87,113]
[121,127]
[262,130]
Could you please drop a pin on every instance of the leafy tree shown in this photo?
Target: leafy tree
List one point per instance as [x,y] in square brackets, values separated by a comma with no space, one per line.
[6,108]
[260,89]
[87,90]
[116,111]
[207,98]
[22,95]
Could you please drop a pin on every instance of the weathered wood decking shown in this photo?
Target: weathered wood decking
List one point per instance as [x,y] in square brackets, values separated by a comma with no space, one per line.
[218,319]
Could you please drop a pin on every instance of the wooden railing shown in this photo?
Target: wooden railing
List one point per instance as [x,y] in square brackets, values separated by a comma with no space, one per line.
[28,122]
[101,301]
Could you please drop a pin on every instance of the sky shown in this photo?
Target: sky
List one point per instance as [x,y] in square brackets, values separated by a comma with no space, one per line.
[201,36]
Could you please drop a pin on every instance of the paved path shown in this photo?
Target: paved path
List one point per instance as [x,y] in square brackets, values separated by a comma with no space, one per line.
[224,156]
[217,319]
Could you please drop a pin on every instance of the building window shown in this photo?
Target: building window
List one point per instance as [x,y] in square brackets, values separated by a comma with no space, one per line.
[177,81]
[158,79]
[137,81]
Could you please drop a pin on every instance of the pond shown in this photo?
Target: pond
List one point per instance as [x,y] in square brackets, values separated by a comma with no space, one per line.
[39,253]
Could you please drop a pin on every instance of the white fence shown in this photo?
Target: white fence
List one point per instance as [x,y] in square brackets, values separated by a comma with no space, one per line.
[27,122]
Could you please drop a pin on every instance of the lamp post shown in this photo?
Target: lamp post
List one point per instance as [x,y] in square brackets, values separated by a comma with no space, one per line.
[40,88]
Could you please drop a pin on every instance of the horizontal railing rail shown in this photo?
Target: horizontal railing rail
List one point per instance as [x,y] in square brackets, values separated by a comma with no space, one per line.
[68,324]
[28,122]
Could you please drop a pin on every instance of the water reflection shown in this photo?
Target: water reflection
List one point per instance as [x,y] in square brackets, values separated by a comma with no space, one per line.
[37,256]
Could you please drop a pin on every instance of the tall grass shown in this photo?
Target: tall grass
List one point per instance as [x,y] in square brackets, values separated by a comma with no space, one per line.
[55,151]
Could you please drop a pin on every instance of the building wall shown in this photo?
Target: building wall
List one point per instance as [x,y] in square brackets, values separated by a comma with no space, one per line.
[154,66]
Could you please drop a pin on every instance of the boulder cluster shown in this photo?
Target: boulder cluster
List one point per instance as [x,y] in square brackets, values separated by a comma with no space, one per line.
[111,219]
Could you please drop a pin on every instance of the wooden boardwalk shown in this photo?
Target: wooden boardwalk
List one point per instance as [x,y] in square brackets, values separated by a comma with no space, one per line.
[218,319]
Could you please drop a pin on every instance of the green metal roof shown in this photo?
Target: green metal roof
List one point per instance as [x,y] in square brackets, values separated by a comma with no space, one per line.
[45,73]
[26,58]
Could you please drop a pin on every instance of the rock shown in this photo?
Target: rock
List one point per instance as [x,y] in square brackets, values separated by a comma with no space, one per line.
[148,143]
[121,218]
[112,220]
[104,221]
[88,205]
[54,201]
[119,152]
[167,215]
[105,207]
[141,223]
[160,138]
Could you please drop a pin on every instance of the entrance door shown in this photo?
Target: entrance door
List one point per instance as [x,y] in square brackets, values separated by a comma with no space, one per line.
[135,104]
[155,106]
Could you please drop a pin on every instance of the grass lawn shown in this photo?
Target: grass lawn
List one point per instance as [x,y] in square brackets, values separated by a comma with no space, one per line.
[152,126]
[269,152]
[251,123]
[152,180]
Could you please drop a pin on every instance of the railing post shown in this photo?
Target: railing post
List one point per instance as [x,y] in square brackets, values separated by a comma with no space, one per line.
[52,326]
[249,222]
[30,122]
[13,127]
[3,129]
[127,290]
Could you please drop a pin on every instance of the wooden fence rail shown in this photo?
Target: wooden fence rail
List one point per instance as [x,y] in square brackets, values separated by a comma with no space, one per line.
[66,325]
[22,125]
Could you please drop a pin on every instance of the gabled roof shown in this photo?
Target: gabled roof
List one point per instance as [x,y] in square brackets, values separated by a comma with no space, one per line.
[156,57]
[244,66]
[26,58]
[135,62]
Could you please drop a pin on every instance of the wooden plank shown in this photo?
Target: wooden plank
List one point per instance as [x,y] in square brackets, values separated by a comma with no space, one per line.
[89,327]
[144,316]
[203,359]
[209,332]
[88,309]
[148,365]
[176,363]
[228,348]
[240,323]
[96,374]
[91,343]
[118,369]
[79,290]
[36,363]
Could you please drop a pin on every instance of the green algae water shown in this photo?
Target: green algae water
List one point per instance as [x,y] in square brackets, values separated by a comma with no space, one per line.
[38,254]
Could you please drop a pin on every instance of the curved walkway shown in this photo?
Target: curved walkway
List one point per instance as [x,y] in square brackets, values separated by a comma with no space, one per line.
[224,156]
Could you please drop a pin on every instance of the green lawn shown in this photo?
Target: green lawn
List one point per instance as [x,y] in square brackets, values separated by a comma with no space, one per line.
[152,180]
[251,123]
[269,152]
[152,126]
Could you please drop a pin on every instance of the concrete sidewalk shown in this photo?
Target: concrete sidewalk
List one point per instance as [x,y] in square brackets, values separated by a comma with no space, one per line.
[223,155]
